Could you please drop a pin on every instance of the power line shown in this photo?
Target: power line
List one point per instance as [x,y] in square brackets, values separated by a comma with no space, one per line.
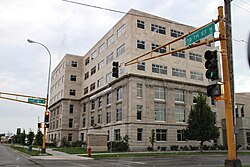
[241,7]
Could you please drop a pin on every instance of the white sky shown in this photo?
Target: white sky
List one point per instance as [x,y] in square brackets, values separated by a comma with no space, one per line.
[69,28]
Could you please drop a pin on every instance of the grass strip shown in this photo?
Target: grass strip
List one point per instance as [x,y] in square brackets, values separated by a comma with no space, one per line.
[71,150]
[26,151]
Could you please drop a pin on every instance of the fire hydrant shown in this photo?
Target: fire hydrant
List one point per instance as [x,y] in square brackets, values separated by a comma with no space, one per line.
[89,151]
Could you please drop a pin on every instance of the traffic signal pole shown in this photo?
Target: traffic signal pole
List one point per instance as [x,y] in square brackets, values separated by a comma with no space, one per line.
[232,160]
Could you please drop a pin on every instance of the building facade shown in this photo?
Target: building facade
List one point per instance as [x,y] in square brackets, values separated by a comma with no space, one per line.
[156,94]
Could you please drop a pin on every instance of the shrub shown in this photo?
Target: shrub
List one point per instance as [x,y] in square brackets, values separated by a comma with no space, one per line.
[158,148]
[78,144]
[213,147]
[118,146]
[150,148]
[194,147]
[163,148]
[238,146]
[248,147]
[205,147]
[184,148]
[174,147]
[221,147]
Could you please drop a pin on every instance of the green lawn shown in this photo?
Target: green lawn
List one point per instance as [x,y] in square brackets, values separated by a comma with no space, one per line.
[72,150]
[26,151]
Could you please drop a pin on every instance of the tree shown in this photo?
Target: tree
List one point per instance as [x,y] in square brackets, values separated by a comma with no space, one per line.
[39,138]
[23,137]
[152,138]
[201,126]
[30,137]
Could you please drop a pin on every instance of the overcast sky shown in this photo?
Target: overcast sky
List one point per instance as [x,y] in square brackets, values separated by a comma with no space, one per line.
[69,28]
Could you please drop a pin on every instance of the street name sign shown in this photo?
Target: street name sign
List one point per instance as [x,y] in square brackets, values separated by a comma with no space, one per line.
[35,100]
[196,36]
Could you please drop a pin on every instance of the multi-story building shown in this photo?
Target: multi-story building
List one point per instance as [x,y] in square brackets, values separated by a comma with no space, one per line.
[156,94]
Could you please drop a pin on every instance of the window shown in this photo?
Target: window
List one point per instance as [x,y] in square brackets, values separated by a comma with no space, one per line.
[110,40]
[109,77]
[179,95]
[117,135]
[139,134]
[180,54]
[108,116]
[70,137]
[100,82]
[139,90]
[179,72]
[71,108]
[175,33]
[109,58]
[140,44]
[179,113]
[86,76]
[108,98]
[72,92]
[159,93]
[84,107]
[195,95]
[160,112]
[195,57]
[161,50]
[119,94]
[82,136]
[99,102]
[196,75]
[181,135]
[93,70]
[92,104]
[121,30]
[92,119]
[120,50]
[141,66]
[158,29]
[93,55]
[100,64]
[73,64]
[140,24]
[119,112]
[83,121]
[92,86]
[161,69]
[139,112]
[86,90]
[99,116]
[72,77]
[70,123]
[236,111]
[102,48]
[242,111]
[248,138]
[87,61]
[161,134]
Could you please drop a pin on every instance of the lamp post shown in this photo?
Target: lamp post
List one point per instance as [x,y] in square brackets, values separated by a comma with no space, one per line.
[47,97]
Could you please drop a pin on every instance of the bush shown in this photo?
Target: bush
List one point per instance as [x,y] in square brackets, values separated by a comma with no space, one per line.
[238,146]
[163,148]
[150,148]
[213,147]
[118,146]
[194,147]
[184,148]
[174,147]
[158,148]
[78,144]
[248,147]
[206,147]
[221,147]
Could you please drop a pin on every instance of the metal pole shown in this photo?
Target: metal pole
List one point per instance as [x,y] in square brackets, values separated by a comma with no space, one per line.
[47,97]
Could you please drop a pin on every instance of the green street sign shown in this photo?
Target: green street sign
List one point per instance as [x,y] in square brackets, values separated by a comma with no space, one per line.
[196,36]
[34,100]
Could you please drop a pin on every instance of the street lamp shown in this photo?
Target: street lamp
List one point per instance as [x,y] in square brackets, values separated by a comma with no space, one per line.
[47,97]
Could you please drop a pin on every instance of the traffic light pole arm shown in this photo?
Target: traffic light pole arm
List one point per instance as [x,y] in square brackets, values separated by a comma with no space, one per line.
[227,90]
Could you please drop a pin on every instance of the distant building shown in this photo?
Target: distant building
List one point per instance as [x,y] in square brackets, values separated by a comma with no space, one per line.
[156,94]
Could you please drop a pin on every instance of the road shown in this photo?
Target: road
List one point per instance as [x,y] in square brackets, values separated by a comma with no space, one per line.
[13,158]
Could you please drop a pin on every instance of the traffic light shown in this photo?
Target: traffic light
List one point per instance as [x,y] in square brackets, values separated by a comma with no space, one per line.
[115,70]
[211,65]
[39,125]
[214,90]
[46,118]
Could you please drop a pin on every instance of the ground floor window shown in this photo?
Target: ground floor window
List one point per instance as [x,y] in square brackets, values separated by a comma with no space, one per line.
[181,135]
[117,135]
[70,137]
[161,134]
[82,136]
[139,134]
[248,138]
